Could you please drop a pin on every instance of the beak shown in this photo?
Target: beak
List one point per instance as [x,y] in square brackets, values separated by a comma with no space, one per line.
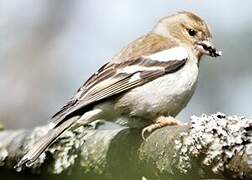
[206,47]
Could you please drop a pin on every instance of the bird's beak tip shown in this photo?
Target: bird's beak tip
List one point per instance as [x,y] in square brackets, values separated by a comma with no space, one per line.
[207,48]
[219,53]
[215,53]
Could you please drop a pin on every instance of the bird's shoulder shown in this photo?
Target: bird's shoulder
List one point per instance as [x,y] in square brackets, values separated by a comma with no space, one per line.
[144,46]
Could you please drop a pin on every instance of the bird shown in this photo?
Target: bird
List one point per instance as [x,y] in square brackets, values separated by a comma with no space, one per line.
[145,85]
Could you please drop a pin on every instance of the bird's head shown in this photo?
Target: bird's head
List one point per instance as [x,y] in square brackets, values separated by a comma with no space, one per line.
[189,29]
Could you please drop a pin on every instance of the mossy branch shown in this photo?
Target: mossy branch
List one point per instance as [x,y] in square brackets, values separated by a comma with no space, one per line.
[210,146]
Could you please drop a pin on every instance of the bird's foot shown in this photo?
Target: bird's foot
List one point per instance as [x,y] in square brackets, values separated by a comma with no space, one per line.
[160,122]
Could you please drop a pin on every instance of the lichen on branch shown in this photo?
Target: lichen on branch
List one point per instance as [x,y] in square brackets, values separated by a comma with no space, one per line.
[209,146]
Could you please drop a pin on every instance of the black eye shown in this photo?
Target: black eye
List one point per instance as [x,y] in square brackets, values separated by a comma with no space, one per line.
[191,32]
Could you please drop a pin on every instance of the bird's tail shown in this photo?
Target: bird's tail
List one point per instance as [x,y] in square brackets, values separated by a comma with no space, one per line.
[44,142]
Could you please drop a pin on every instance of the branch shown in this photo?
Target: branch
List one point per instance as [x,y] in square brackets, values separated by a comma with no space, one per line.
[214,146]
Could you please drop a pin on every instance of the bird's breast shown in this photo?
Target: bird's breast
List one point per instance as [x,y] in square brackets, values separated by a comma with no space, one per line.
[166,95]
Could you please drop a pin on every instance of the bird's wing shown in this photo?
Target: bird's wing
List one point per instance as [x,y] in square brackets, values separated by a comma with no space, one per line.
[113,79]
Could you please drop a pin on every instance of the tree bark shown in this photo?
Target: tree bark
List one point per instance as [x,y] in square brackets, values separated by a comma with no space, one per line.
[210,146]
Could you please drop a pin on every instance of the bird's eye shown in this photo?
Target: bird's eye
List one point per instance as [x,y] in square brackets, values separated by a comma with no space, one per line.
[191,32]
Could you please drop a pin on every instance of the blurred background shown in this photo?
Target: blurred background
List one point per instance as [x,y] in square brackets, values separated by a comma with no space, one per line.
[49,48]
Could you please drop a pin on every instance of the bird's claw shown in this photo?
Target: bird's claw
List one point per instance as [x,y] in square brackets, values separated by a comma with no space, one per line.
[160,122]
[149,129]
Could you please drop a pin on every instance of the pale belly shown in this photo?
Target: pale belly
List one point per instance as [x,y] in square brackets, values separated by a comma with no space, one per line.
[166,96]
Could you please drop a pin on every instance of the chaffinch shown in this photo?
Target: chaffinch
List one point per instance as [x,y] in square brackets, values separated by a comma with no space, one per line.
[146,84]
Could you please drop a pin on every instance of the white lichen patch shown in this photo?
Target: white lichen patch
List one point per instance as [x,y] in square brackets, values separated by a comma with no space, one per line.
[3,155]
[219,138]
[65,150]
[5,139]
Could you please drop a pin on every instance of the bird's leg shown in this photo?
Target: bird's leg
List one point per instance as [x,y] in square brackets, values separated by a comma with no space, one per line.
[160,122]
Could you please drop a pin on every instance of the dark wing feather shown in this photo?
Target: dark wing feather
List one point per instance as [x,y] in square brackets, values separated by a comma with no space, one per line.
[105,71]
